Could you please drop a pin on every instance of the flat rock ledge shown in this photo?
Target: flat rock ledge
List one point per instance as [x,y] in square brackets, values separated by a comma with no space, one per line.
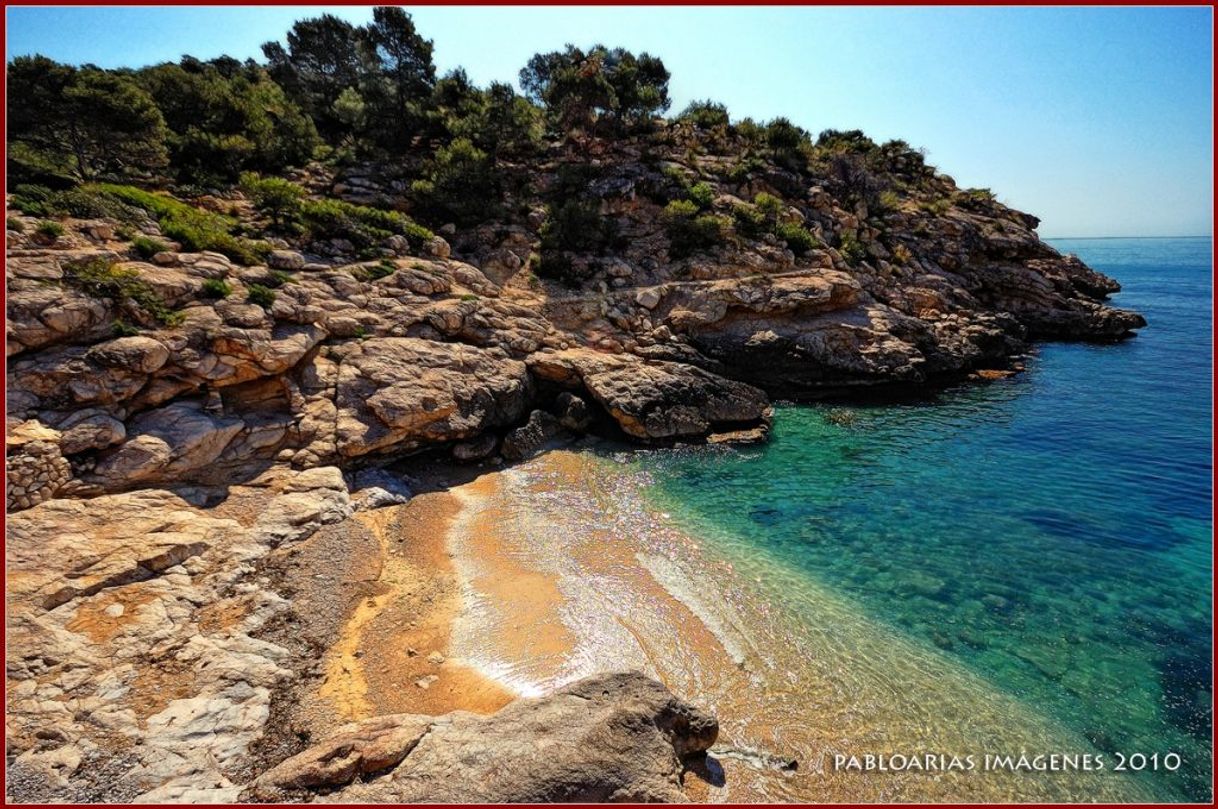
[608,738]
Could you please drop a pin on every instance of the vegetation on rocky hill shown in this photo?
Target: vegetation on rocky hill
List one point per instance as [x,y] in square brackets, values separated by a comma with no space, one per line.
[349,95]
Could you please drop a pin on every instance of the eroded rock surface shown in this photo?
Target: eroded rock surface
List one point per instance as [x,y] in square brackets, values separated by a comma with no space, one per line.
[134,666]
[460,345]
[159,450]
[609,738]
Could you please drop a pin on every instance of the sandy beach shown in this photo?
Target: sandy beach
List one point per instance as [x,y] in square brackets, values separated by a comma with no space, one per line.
[522,580]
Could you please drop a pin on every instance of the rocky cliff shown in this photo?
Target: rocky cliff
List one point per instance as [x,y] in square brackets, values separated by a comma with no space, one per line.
[460,344]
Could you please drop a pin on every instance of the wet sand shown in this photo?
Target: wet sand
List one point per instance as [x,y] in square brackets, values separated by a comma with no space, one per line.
[531,577]
[392,655]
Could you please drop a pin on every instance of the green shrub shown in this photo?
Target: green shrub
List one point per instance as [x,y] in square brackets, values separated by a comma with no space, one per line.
[381,269]
[195,229]
[749,220]
[785,139]
[31,200]
[797,237]
[88,202]
[676,175]
[702,195]
[705,114]
[216,288]
[14,224]
[782,135]
[852,249]
[575,225]
[851,140]
[771,207]
[469,297]
[147,247]
[121,328]
[740,170]
[888,201]
[101,278]
[679,209]
[261,295]
[687,231]
[460,184]
[49,229]
[280,277]
[364,227]
[275,197]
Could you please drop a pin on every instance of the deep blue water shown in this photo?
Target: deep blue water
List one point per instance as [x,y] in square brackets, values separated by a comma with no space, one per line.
[1051,531]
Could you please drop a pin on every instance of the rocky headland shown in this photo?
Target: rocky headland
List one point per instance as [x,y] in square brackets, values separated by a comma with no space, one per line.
[466,350]
[188,419]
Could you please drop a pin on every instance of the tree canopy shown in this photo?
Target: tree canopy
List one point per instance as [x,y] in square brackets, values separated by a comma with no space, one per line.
[81,122]
[340,92]
[582,88]
[225,118]
[373,79]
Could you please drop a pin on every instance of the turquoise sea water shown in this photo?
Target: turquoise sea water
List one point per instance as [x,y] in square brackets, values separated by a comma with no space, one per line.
[1051,532]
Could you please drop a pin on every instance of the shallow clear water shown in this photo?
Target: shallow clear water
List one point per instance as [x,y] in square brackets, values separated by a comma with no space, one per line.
[1050,532]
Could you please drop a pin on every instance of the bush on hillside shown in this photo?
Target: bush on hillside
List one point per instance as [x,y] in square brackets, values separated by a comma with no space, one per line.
[689,232]
[705,114]
[102,278]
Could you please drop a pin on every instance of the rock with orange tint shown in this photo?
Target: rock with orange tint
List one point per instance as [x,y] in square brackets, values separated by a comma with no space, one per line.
[134,625]
[609,738]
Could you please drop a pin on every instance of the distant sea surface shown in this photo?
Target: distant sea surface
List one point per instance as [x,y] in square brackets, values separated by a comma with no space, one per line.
[1051,532]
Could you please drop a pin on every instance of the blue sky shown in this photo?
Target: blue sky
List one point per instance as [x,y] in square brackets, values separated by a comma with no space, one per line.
[1098,120]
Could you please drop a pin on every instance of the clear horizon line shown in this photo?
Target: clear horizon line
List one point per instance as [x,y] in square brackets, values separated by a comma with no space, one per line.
[1080,238]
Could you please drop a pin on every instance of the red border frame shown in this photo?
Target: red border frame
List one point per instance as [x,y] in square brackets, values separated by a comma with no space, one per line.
[537,3]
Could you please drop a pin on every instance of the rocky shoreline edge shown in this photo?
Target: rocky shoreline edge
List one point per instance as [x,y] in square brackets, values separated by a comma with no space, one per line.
[208,654]
[175,418]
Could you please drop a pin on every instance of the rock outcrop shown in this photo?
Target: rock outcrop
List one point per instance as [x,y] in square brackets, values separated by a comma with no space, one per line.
[460,347]
[135,669]
[609,738]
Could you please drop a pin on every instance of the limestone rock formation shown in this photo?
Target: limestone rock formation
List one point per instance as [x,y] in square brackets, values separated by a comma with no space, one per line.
[134,668]
[178,418]
[460,347]
[609,738]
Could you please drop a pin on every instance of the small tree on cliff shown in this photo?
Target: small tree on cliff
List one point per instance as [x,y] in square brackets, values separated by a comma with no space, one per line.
[85,123]
[582,89]
[225,117]
[399,75]
[387,62]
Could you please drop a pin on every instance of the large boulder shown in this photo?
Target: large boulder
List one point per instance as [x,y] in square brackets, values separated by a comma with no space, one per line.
[137,670]
[166,445]
[655,400]
[609,738]
[402,393]
[526,440]
[285,260]
[35,469]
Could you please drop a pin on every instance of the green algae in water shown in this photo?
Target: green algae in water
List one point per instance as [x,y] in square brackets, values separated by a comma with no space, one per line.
[1051,532]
